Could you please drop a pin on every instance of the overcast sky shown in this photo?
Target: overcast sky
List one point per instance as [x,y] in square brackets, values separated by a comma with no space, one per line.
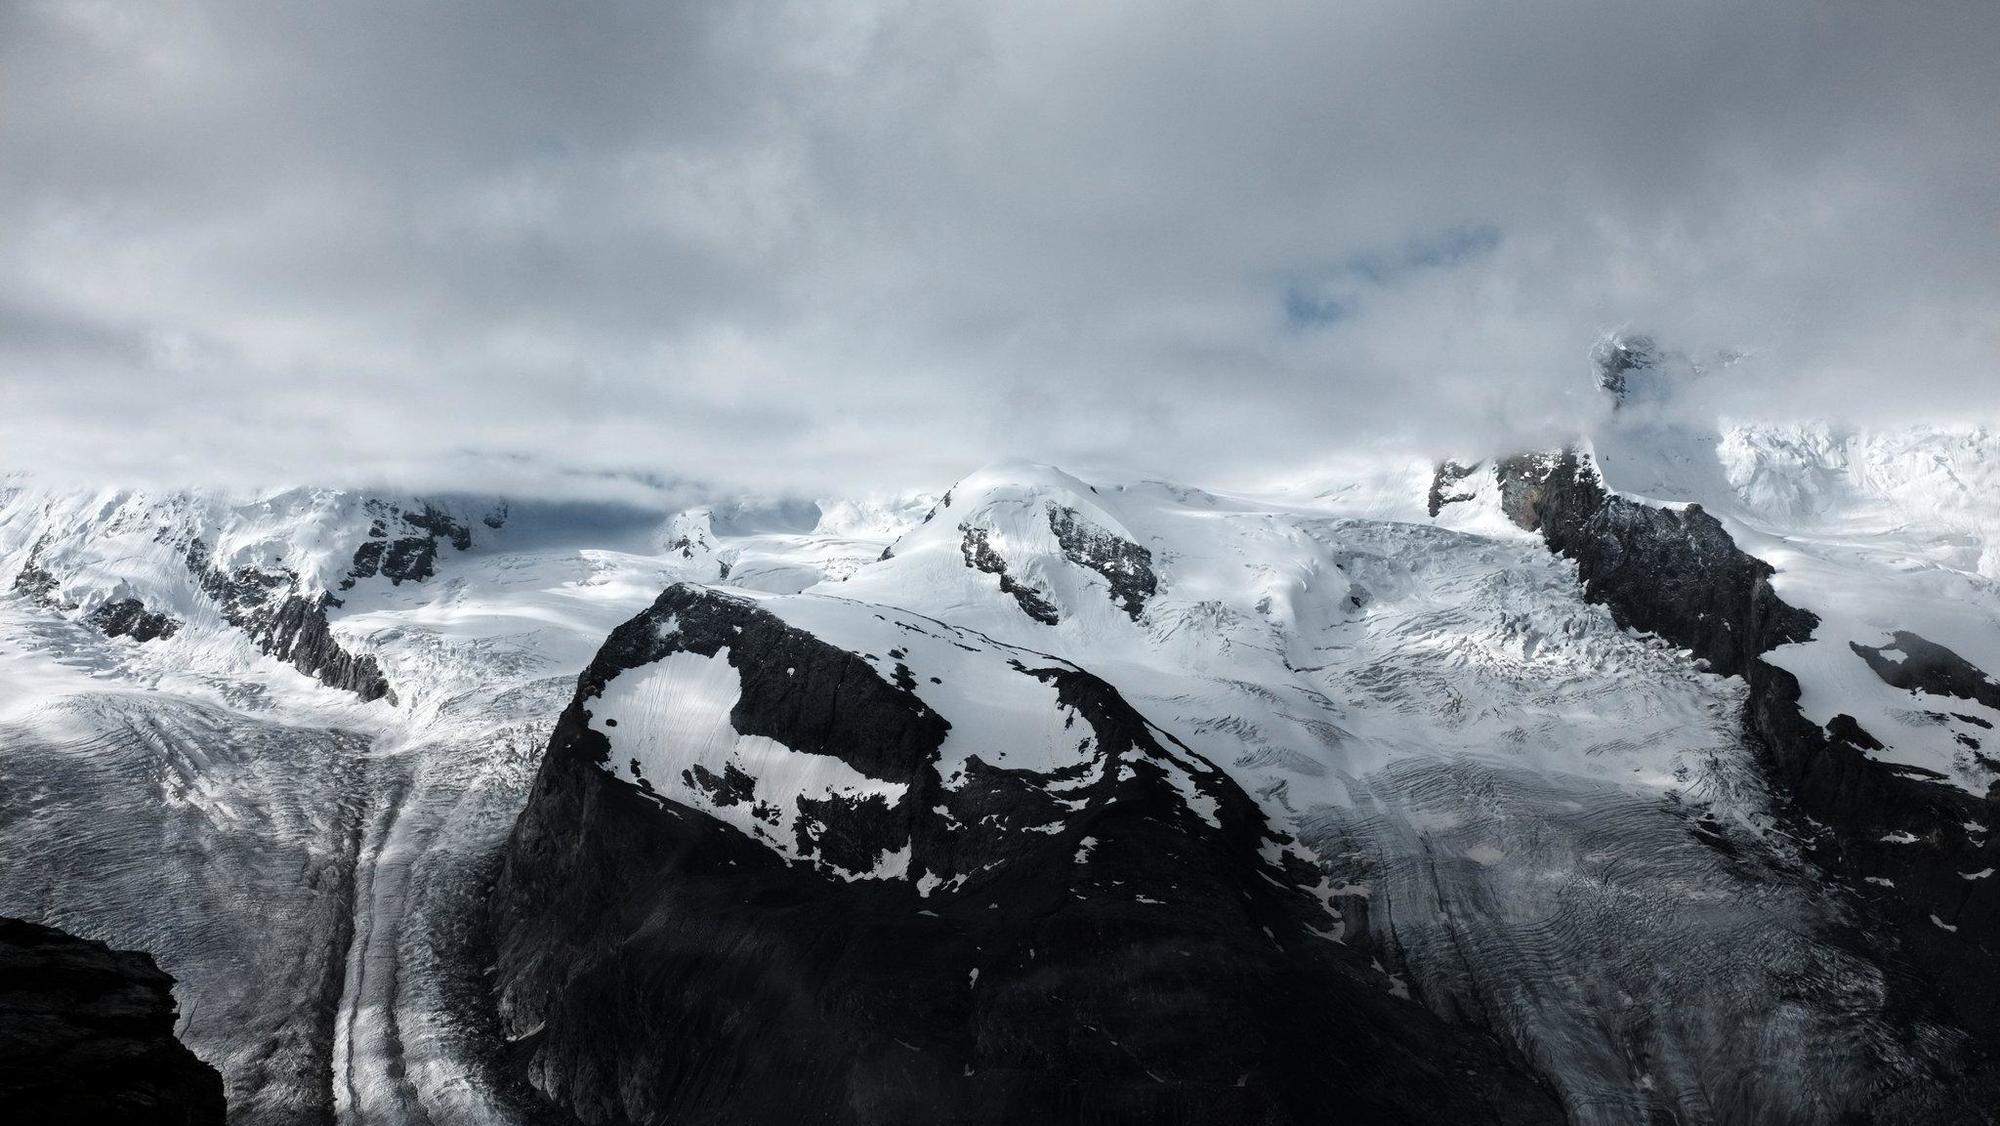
[823,245]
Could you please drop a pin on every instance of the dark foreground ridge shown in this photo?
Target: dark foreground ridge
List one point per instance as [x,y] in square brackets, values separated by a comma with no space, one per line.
[1116,958]
[87,1037]
[1678,574]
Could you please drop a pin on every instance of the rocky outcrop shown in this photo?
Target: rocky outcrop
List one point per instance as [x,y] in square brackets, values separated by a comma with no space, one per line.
[412,555]
[1674,572]
[36,582]
[292,625]
[1922,665]
[1444,483]
[128,617]
[87,1036]
[1910,847]
[977,547]
[289,625]
[122,617]
[1108,944]
[1124,564]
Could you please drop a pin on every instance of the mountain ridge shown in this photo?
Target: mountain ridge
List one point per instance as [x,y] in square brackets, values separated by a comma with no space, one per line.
[1502,787]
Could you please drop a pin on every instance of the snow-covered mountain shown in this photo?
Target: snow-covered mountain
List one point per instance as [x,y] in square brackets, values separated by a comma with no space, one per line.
[304,851]
[1646,780]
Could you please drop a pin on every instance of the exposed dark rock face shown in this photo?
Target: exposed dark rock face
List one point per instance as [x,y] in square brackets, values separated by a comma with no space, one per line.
[37,583]
[1446,479]
[288,625]
[1674,573]
[1115,956]
[411,556]
[1124,564]
[440,525]
[87,1036]
[128,617]
[1927,667]
[1680,575]
[979,554]
[124,617]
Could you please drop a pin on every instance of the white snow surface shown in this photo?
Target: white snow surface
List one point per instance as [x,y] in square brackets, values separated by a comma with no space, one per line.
[668,717]
[1511,783]
[1001,714]
[1269,643]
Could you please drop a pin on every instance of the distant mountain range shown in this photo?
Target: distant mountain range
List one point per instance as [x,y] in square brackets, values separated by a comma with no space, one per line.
[1651,778]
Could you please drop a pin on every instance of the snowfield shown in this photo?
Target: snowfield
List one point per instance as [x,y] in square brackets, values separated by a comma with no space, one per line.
[1546,825]
[672,718]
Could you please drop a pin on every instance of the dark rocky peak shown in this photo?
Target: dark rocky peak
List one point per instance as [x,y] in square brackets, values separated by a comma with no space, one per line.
[1671,571]
[865,709]
[886,734]
[128,617]
[1635,369]
[1104,942]
[41,586]
[402,545]
[87,1037]
[36,581]
[689,533]
[1031,526]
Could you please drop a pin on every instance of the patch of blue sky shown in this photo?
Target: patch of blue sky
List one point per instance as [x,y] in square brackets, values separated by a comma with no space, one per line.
[1330,294]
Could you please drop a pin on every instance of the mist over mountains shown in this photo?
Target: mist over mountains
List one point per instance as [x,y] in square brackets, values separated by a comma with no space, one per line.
[797,249]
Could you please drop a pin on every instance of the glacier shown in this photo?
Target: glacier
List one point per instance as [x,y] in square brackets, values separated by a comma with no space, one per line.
[1513,814]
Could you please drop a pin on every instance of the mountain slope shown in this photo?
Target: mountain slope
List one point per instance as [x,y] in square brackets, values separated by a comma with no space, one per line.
[1545,815]
[1503,800]
[1009,896]
[1911,839]
[322,855]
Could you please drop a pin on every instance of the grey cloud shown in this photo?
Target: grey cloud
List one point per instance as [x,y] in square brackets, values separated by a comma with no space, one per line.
[815,246]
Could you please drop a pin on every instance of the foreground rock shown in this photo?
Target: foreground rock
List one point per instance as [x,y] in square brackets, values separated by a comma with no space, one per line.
[87,1036]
